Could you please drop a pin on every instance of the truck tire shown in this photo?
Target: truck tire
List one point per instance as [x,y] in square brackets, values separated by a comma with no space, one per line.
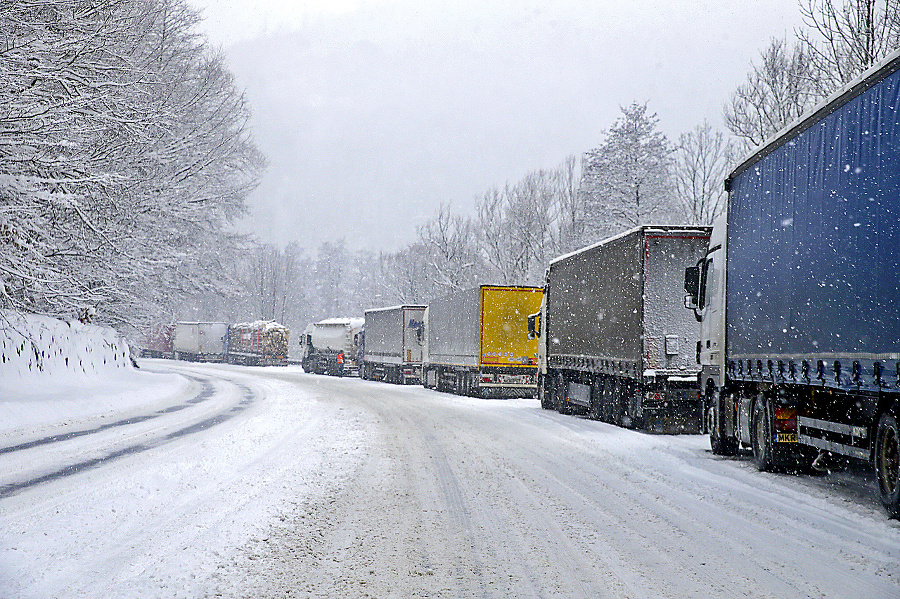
[886,463]
[617,414]
[718,443]
[761,436]
[596,398]
[559,393]
[606,399]
[543,393]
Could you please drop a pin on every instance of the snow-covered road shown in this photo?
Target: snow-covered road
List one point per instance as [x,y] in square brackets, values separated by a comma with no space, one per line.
[272,483]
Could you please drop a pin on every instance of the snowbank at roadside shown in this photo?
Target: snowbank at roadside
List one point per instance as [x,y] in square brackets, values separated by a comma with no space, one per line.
[33,347]
[53,372]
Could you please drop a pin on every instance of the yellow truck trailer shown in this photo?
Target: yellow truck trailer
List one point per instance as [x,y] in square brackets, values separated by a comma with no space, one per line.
[477,342]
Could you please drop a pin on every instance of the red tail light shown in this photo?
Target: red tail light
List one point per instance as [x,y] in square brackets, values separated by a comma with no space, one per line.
[785,420]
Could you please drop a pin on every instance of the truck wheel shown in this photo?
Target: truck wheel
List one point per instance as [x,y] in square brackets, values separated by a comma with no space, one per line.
[887,464]
[617,415]
[474,389]
[542,392]
[719,444]
[595,400]
[559,394]
[761,436]
[606,399]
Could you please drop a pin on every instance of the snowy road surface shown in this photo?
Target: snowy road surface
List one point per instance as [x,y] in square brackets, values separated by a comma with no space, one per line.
[272,483]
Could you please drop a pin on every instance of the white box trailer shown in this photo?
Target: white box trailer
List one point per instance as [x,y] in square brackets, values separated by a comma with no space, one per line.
[393,341]
[201,341]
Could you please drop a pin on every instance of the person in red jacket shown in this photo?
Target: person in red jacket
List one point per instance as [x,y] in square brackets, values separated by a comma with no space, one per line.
[340,363]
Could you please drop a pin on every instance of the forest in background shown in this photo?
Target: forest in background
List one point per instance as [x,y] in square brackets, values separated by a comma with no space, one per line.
[125,159]
[636,175]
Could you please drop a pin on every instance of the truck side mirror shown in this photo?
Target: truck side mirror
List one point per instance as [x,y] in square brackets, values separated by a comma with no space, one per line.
[692,281]
[534,325]
[692,287]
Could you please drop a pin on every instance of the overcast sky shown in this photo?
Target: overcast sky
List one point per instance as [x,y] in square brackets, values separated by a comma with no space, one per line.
[373,113]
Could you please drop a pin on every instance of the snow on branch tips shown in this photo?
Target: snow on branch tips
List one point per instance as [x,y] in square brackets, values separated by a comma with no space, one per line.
[124,155]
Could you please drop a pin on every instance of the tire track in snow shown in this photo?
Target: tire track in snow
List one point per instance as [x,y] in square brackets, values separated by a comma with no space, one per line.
[205,393]
[208,391]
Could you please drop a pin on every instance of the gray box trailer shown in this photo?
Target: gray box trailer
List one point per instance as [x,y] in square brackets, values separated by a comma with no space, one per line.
[615,340]
[799,290]
[200,341]
[393,342]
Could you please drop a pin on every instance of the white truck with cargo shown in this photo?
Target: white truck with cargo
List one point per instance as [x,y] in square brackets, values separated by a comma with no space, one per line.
[798,294]
[615,343]
[393,342]
[331,346]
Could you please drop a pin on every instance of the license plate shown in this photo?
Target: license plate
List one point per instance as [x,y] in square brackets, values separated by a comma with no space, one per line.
[786,438]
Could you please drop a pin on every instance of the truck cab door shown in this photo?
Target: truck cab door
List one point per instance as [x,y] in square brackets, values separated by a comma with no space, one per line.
[711,307]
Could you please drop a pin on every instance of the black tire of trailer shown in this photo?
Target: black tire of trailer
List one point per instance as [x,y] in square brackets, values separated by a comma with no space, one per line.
[542,394]
[761,435]
[606,402]
[474,389]
[441,381]
[617,395]
[887,471]
[556,385]
[596,400]
[718,443]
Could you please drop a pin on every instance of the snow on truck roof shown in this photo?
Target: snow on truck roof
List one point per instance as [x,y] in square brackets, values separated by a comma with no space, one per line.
[341,322]
[423,306]
[264,325]
[841,96]
[646,228]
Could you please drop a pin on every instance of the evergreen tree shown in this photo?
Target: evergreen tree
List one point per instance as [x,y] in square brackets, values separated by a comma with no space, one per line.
[627,181]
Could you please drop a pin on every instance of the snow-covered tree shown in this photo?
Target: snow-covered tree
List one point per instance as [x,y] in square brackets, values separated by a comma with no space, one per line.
[776,92]
[274,283]
[124,155]
[451,251]
[569,208]
[517,227]
[401,277]
[330,272]
[627,180]
[840,41]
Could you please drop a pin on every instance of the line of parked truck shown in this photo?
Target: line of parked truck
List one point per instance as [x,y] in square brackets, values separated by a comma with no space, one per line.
[472,342]
[776,330]
[259,343]
[796,290]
